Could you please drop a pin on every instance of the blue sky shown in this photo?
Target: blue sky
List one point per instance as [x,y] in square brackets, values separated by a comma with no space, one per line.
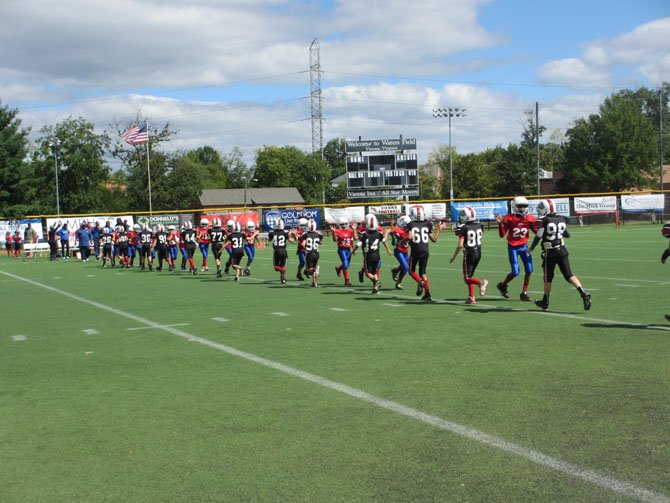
[235,73]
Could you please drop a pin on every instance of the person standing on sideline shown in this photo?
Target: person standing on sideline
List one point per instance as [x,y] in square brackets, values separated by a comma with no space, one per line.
[51,239]
[64,234]
[517,226]
[29,238]
[83,235]
[552,230]
[421,234]
[469,232]
[8,243]
[95,235]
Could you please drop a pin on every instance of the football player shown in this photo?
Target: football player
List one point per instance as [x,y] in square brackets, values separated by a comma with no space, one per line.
[217,236]
[279,237]
[106,243]
[369,241]
[551,233]
[190,240]
[146,239]
[311,242]
[400,240]
[121,241]
[297,233]
[517,226]
[173,246]
[236,238]
[161,247]
[250,241]
[230,227]
[203,241]
[469,232]
[344,237]
[421,234]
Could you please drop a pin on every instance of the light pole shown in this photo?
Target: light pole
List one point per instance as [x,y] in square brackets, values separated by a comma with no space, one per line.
[450,112]
[246,181]
[54,144]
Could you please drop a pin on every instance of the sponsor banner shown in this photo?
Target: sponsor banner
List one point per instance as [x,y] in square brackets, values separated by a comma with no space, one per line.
[389,209]
[12,226]
[433,211]
[485,210]
[643,202]
[604,204]
[290,217]
[377,193]
[242,217]
[166,220]
[562,205]
[351,213]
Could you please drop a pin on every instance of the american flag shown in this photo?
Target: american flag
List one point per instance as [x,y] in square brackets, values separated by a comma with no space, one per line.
[136,134]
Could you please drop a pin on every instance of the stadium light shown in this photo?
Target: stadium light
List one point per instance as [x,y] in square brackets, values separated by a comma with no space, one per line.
[450,112]
[246,181]
[54,144]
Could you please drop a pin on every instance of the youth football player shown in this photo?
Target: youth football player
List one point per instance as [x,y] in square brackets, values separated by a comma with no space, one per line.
[236,238]
[279,237]
[344,237]
[400,239]
[469,232]
[421,234]
[311,242]
[300,252]
[517,226]
[250,241]
[190,240]
[370,242]
[217,235]
[146,240]
[553,229]
[203,241]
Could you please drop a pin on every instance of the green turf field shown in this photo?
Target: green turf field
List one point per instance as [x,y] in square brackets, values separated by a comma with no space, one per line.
[127,386]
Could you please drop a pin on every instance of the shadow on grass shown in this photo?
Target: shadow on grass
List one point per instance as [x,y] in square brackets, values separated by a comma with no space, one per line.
[629,326]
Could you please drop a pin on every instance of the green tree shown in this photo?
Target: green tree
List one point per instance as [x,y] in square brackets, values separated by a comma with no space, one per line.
[335,154]
[236,169]
[83,171]
[216,173]
[614,150]
[185,180]
[277,166]
[17,189]
[473,177]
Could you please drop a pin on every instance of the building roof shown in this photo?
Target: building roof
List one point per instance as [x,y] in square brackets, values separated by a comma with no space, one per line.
[255,197]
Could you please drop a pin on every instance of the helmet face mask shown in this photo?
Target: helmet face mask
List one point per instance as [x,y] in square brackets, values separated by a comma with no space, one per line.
[279,224]
[371,222]
[520,205]
[404,221]
[545,207]
[230,225]
[417,213]
[311,224]
[302,223]
[344,223]
[251,226]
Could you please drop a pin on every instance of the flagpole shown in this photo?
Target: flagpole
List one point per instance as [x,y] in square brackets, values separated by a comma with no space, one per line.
[148,169]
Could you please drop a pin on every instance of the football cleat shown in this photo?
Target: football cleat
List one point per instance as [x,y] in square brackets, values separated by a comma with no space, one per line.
[502,288]
[482,287]
[419,288]
[313,285]
[237,278]
[219,274]
[398,286]
[247,271]
[542,304]
[361,274]
[338,271]
[470,301]
[300,277]
[586,298]
[524,297]
[667,317]
[348,283]
[283,281]
[376,286]
[394,275]
[427,298]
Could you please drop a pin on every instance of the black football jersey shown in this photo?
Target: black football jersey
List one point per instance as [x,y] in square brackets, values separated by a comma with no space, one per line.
[554,229]
[472,235]
[279,239]
[419,233]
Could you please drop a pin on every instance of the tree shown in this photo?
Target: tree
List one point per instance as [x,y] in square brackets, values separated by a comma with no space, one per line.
[236,169]
[335,154]
[16,176]
[185,181]
[216,175]
[612,151]
[82,168]
[473,177]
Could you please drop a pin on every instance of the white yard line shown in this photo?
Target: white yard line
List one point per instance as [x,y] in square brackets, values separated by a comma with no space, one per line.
[532,455]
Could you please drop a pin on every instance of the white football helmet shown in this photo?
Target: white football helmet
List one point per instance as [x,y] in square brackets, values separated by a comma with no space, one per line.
[204,222]
[371,222]
[404,221]
[344,223]
[216,222]
[520,205]
[311,224]
[145,227]
[251,226]
[279,224]
[545,207]
[188,225]
[417,213]
[238,227]
[230,225]
[119,228]
[136,227]
[467,214]
[171,227]
[302,223]
[161,228]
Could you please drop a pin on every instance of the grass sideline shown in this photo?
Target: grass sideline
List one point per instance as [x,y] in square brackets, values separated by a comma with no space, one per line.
[98,405]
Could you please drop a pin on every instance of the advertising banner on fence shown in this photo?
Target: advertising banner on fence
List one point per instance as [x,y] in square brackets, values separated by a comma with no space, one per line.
[562,205]
[166,220]
[387,209]
[485,210]
[351,213]
[73,223]
[12,226]
[603,204]
[642,202]
[290,217]
[237,216]
[433,211]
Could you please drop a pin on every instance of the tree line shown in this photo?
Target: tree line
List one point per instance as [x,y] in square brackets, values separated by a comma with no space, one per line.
[613,150]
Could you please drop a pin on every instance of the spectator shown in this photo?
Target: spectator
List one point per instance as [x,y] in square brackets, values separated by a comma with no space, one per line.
[64,235]
[83,235]
[29,238]
[53,246]
[95,234]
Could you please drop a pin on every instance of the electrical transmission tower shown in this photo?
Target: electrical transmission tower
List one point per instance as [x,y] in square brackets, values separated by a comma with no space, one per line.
[315,96]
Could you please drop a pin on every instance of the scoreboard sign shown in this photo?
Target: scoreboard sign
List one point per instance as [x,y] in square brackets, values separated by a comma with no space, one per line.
[382,168]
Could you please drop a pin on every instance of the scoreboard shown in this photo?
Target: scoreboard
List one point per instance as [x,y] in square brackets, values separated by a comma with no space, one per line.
[382,168]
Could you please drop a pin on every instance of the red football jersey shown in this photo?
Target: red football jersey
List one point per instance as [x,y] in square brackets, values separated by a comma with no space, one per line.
[345,237]
[517,228]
